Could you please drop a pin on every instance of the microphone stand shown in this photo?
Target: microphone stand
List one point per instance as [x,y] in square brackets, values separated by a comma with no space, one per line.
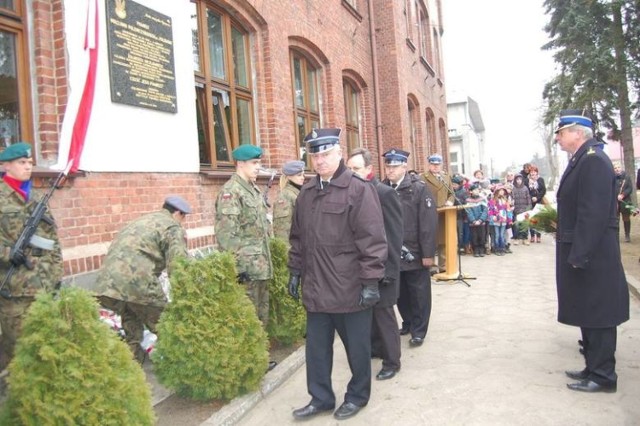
[461,277]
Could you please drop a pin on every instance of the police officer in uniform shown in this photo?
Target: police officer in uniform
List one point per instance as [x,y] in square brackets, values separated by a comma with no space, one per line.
[440,185]
[385,336]
[592,287]
[290,183]
[242,227]
[420,232]
[128,281]
[338,250]
[36,269]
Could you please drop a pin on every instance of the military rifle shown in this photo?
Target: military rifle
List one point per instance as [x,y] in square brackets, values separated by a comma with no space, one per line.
[273,173]
[28,235]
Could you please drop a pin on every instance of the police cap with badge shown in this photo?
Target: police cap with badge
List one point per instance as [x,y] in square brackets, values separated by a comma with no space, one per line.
[435,159]
[573,117]
[395,157]
[15,151]
[321,140]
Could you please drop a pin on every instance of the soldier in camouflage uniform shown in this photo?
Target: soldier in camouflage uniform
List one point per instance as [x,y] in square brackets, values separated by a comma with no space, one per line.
[290,183]
[18,201]
[242,227]
[128,281]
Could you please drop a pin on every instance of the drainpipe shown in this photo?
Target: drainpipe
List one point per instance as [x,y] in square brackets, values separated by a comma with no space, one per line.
[376,88]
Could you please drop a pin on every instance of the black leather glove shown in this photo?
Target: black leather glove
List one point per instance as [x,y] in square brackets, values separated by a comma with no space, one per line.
[243,277]
[294,286]
[387,281]
[17,257]
[369,295]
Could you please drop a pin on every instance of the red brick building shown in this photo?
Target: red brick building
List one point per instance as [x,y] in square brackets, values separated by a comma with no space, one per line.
[245,71]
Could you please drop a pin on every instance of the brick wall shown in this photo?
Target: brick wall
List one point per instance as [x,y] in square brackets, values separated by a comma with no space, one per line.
[92,208]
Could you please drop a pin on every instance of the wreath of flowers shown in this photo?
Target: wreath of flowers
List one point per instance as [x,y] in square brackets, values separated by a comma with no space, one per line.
[544,219]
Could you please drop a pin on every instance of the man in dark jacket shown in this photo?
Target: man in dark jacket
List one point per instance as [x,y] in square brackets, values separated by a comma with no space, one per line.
[592,288]
[420,220]
[338,250]
[385,336]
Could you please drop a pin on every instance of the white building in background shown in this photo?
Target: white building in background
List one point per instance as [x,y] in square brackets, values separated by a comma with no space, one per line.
[466,136]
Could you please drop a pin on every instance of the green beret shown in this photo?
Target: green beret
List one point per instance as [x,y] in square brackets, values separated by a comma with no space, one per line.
[17,150]
[247,152]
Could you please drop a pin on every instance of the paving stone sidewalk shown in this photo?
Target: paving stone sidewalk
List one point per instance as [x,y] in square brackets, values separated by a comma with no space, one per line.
[494,354]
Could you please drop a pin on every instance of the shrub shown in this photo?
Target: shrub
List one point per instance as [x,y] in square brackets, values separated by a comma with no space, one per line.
[211,344]
[287,317]
[70,368]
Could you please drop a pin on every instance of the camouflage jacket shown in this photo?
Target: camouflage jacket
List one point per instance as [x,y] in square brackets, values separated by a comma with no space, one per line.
[137,257]
[283,211]
[47,264]
[242,227]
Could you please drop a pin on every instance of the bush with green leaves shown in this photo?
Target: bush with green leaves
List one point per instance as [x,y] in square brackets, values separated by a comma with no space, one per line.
[70,368]
[211,344]
[287,317]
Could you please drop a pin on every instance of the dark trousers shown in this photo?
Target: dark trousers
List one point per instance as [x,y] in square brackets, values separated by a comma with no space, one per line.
[354,329]
[478,237]
[385,337]
[599,353]
[414,302]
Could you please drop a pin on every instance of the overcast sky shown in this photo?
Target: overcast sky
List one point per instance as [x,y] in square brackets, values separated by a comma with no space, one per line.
[492,54]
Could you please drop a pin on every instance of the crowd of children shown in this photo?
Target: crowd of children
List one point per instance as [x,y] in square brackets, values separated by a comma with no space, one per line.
[487,222]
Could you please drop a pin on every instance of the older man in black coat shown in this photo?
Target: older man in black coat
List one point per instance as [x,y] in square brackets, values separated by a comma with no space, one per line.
[592,288]
[385,336]
[338,250]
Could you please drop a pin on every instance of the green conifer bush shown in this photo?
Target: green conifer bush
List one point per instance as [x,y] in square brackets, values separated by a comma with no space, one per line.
[71,369]
[211,344]
[287,317]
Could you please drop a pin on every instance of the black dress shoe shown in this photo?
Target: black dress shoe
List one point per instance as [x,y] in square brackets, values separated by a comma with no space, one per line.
[272,365]
[592,387]
[577,374]
[309,411]
[346,410]
[387,373]
[416,341]
[404,331]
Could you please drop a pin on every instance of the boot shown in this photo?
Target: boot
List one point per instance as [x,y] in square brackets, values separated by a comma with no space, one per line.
[476,252]
[627,231]
[468,248]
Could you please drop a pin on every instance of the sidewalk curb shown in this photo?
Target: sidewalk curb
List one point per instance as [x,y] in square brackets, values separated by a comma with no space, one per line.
[231,413]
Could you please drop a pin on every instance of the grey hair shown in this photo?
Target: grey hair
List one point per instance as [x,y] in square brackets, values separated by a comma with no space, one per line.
[586,131]
[366,155]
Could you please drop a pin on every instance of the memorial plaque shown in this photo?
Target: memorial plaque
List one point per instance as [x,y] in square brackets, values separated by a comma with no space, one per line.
[141,64]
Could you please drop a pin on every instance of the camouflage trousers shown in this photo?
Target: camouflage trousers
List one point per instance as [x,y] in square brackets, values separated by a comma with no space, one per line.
[134,317]
[258,293]
[12,313]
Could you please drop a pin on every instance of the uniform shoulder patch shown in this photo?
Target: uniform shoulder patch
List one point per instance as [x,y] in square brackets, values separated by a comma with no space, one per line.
[591,151]
[226,196]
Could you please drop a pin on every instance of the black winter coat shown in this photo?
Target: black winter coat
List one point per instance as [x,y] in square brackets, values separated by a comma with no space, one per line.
[592,288]
[337,241]
[420,219]
[393,227]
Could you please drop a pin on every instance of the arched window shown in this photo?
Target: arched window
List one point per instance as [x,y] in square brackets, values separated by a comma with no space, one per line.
[224,98]
[432,142]
[306,105]
[352,114]
[15,106]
